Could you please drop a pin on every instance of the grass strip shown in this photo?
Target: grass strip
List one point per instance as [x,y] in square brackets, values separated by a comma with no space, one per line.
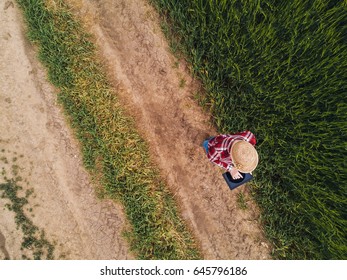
[112,149]
[278,68]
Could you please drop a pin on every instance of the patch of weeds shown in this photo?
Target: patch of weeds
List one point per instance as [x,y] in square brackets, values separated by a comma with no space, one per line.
[15,170]
[4,160]
[183,83]
[242,201]
[29,192]
[34,240]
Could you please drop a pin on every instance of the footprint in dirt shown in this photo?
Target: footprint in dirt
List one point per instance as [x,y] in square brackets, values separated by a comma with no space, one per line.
[8,4]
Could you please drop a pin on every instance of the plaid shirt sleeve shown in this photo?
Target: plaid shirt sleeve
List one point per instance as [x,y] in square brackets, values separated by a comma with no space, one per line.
[219,147]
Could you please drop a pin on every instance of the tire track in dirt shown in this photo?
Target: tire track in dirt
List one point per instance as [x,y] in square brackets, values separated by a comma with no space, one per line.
[64,202]
[144,74]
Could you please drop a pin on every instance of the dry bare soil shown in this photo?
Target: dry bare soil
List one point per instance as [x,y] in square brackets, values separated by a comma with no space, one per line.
[158,91]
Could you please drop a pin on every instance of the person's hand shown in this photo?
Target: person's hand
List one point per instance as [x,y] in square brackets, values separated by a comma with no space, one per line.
[235,174]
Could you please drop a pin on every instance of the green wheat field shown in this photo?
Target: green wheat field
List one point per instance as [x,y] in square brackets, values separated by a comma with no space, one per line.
[278,68]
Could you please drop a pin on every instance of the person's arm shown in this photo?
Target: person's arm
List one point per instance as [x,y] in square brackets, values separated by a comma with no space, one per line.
[214,155]
[215,152]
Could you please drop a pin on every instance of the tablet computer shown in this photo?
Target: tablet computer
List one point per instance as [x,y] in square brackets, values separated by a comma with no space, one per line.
[234,183]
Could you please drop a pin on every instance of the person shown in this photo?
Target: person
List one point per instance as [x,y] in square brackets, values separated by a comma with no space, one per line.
[233,152]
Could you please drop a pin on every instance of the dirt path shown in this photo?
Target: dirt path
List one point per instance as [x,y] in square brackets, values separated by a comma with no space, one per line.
[159,93]
[35,137]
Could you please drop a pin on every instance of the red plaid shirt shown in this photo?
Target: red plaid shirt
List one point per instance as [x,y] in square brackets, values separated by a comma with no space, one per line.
[219,147]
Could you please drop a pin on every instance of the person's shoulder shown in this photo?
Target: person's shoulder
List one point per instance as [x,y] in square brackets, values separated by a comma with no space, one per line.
[248,136]
[222,136]
[243,133]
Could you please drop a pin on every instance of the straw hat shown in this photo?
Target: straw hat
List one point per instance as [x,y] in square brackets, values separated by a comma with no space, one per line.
[244,156]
